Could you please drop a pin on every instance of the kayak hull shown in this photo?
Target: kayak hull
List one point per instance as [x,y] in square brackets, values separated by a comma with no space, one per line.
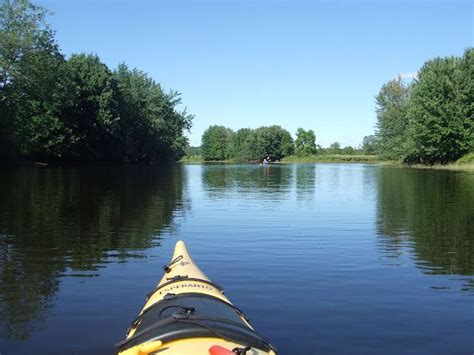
[189,314]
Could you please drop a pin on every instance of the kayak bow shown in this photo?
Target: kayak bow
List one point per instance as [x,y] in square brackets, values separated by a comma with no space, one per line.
[189,314]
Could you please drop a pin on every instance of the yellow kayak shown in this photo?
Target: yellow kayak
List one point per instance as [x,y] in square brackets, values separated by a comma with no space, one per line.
[188,314]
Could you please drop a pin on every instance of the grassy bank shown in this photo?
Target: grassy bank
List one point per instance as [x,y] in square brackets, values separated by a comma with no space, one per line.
[466,163]
[197,159]
[333,158]
[192,159]
[453,166]
[337,158]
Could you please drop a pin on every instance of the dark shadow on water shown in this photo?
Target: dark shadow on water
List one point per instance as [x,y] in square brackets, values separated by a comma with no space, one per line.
[430,212]
[71,221]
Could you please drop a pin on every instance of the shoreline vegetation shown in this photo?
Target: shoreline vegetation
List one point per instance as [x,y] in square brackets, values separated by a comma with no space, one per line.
[65,111]
[294,159]
[62,110]
[428,122]
[465,164]
[332,158]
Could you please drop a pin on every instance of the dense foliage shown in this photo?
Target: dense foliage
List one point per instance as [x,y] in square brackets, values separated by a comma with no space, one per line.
[334,148]
[392,119]
[241,145]
[216,143]
[272,141]
[431,120]
[78,109]
[369,145]
[305,143]
[193,151]
[440,128]
[220,143]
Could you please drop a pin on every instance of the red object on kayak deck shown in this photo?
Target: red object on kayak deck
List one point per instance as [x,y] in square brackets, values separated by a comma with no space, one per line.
[219,350]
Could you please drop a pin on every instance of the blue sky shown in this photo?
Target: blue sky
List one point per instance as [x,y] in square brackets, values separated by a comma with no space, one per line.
[316,65]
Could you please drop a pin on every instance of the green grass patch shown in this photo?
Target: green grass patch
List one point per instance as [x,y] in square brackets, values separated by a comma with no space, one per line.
[192,159]
[333,158]
[465,163]
[468,158]
[469,167]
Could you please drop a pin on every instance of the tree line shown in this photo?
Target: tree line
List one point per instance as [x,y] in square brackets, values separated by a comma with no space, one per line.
[77,109]
[430,120]
[219,143]
[222,143]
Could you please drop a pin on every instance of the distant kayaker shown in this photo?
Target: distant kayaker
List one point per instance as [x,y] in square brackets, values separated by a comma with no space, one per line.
[265,161]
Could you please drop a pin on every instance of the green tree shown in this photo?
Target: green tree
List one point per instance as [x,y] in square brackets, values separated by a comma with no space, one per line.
[272,141]
[466,92]
[78,109]
[91,113]
[151,129]
[30,83]
[392,119]
[305,143]
[439,130]
[334,148]
[216,143]
[193,151]
[24,34]
[369,145]
[241,147]
[348,150]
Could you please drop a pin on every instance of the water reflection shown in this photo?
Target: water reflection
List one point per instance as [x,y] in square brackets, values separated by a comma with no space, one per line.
[56,222]
[220,179]
[305,181]
[324,219]
[432,213]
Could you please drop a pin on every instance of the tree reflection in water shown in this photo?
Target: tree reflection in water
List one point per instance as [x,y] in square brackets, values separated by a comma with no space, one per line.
[432,213]
[73,220]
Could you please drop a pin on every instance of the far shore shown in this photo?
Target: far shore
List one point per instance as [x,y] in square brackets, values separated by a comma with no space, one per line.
[337,159]
[464,166]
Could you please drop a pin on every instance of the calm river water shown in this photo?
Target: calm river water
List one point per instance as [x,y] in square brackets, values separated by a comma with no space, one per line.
[323,258]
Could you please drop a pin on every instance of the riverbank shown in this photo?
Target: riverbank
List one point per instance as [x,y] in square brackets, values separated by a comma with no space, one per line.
[332,158]
[466,163]
[336,158]
[4,162]
[192,159]
[468,167]
[462,164]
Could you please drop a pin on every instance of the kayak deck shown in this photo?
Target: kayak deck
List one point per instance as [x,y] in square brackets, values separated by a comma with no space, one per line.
[188,314]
